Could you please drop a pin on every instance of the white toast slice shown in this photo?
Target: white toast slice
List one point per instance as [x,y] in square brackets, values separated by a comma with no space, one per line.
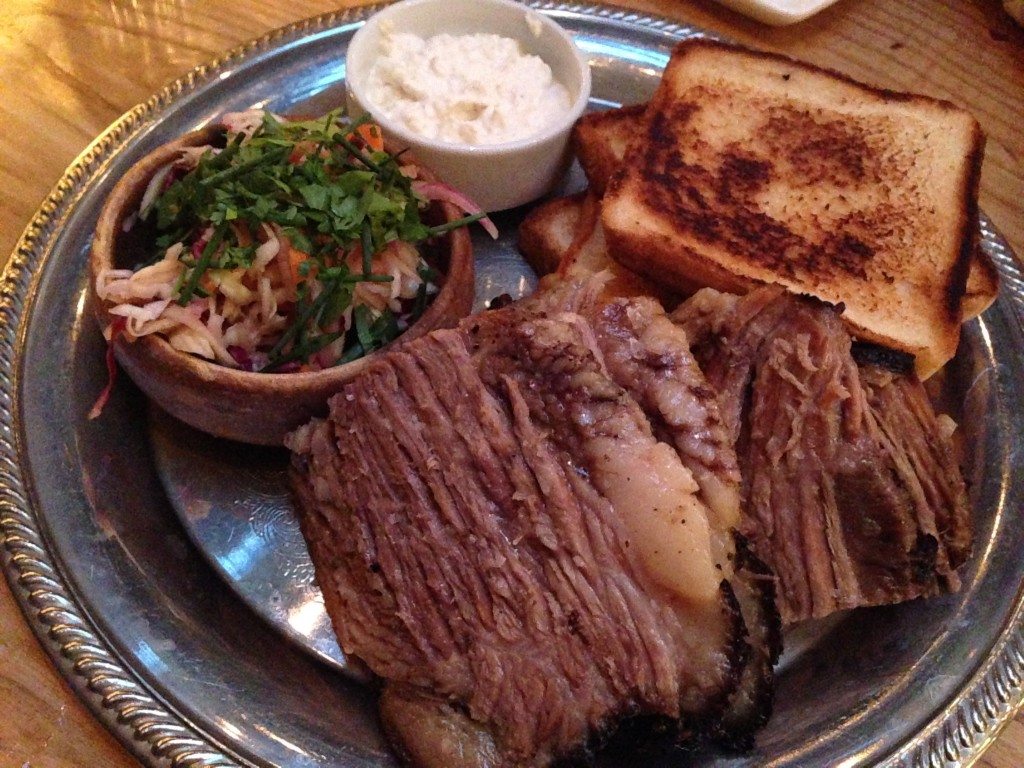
[751,168]
[601,139]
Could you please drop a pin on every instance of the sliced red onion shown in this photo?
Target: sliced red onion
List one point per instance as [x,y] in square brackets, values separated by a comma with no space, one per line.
[241,357]
[259,360]
[243,122]
[190,159]
[172,176]
[436,190]
[116,329]
[198,307]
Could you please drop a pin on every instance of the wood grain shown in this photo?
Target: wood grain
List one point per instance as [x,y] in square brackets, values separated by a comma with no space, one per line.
[70,69]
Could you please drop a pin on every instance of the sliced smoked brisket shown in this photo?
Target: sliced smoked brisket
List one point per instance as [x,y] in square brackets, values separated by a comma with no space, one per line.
[501,536]
[649,356]
[851,494]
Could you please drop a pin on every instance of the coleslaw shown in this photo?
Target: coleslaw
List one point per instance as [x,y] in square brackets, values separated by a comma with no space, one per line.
[295,246]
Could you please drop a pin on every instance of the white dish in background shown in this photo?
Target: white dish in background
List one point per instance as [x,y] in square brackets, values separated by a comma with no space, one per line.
[495,176]
[778,13]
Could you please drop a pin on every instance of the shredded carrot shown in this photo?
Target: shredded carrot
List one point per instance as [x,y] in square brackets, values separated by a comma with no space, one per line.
[295,258]
[354,258]
[242,233]
[371,136]
[302,149]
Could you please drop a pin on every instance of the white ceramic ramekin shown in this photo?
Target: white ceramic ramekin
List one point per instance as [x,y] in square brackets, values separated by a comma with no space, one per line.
[495,176]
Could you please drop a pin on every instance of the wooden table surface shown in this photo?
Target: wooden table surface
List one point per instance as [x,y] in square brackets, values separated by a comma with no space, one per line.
[67,70]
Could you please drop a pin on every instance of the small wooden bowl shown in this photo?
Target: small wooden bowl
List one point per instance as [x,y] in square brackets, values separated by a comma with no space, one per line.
[258,408]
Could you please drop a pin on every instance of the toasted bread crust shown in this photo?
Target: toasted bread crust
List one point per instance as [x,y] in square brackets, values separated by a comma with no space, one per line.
[694,46]
[754,168]
[563,238]
[982,284]
[600,141]
[547,232]
[969,247]
[675,264]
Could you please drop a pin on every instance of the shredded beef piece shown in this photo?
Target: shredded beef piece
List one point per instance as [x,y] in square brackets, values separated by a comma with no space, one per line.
[850,492]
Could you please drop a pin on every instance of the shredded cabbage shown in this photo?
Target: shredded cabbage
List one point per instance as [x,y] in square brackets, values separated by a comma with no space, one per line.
[237,306]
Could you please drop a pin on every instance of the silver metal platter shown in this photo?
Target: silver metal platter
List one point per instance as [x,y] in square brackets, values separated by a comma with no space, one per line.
[188,674]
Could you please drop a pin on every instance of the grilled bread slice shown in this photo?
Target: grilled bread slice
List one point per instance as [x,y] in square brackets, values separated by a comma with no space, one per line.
[982,284]
[547,232]
[563,238]
[600,140]
[752,168]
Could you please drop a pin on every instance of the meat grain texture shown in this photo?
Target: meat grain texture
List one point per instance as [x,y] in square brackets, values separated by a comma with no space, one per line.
[550,520]
[503,538]
[852,495]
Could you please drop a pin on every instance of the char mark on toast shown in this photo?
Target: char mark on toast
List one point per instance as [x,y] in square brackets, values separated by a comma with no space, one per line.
[867,354]
[602,138]
[750,169]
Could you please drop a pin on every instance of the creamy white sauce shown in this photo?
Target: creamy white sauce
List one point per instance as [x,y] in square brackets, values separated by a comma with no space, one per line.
[467,89]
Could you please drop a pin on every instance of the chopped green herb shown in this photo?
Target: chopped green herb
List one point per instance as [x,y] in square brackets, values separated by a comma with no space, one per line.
[191,283]
[327,193]
[374,332]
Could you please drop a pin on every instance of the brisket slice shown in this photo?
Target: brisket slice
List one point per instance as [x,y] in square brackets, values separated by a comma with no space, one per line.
[457,503]
[925,461]
[553,368]
[750,705]
[649,356]
[850,491]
